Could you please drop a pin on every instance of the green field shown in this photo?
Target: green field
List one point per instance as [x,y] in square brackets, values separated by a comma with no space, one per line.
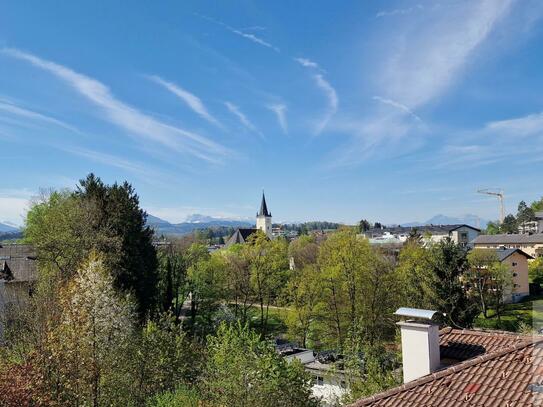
[525,314]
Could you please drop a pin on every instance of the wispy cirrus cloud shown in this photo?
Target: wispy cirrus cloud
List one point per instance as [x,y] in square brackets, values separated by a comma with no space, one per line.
[399,11]
[326,88]
[248,36]
[191,100]
[15,110]
[280,111]
[333,101]
[519,139]
[127,117]
[399,106]
[421,60]
[244,120]
[427,60]
[306,62]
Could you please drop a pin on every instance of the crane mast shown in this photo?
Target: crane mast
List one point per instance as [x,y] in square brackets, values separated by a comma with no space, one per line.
[498,193]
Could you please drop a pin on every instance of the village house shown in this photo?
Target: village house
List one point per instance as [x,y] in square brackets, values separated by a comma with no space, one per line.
[517,262]
[454,367]
[17,275]
[461,234]
[530,244]
[530,241]
[329,382]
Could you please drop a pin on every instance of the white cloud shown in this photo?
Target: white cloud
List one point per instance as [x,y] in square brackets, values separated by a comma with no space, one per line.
[428,57]
[399,106]
[280,111]
[421,59]
[13,109]
[529,125]
[333,101]
[191,100]
[235,110]
[399,11]
[307,63]
[250,37]
[128,117]
[14,205]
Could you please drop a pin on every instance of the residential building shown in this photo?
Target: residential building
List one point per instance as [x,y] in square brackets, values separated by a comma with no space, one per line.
[329,382]
[470,368]
[17,274]
[517,262]
[530,244]
[461,234]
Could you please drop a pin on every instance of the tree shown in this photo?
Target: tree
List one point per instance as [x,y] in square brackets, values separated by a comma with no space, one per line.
[238,281]
[364,226]
[268,264]
[535,270]
[486,277]
[509,224]
[448,262]
[172,286]
[415,275]
[524,214]
[206,275]
[163,358]
[492,228]
[84,356]
[304,293]
[117,213]
[244,371]
[358,284]
[304,251]
[537,205]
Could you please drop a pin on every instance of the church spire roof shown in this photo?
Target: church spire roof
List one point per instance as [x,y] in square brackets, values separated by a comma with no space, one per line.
[263,207]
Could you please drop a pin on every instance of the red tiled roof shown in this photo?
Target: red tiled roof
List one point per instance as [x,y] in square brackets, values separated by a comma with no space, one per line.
[509,375]
[463,344]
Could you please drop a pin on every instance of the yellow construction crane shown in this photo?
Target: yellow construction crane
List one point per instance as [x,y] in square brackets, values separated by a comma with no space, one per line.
[499,194]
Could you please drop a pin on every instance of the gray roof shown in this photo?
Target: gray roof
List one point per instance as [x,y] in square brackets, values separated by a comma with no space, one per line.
[505,253]
[433,229]
[240,236]
[263,207]
[509,239]
[20,260]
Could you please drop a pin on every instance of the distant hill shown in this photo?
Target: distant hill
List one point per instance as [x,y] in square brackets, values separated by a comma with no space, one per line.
[7,227]
[193,222]
[468,219]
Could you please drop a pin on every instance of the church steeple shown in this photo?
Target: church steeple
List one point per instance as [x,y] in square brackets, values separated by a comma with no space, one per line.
[263,207]
[264,218]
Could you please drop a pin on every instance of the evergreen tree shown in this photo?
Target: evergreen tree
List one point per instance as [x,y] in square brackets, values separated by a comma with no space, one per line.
[116,213]
[449,263]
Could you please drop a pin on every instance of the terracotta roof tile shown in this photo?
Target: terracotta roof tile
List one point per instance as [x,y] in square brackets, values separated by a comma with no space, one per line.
[503,376]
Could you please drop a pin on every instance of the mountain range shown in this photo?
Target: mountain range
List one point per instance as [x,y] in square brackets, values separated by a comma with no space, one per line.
[8,227]
[468,219]
[194,222]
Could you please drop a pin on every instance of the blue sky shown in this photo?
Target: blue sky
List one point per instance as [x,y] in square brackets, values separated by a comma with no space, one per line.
[391,111]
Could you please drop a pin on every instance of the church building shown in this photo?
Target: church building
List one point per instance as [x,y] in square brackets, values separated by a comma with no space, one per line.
[263,223]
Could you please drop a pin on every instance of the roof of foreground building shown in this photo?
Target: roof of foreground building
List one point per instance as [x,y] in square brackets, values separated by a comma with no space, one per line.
[498,369]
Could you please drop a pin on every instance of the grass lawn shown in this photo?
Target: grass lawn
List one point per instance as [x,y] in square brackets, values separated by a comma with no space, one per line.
[529,313]
[276,320]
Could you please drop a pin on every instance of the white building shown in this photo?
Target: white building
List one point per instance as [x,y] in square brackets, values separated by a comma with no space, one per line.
[264,218]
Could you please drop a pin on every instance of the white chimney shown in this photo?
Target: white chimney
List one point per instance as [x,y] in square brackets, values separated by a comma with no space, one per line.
[420,343]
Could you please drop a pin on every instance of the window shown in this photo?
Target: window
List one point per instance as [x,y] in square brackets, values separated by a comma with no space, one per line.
[514,263]
[319,380]
[343,384]
[515,274]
